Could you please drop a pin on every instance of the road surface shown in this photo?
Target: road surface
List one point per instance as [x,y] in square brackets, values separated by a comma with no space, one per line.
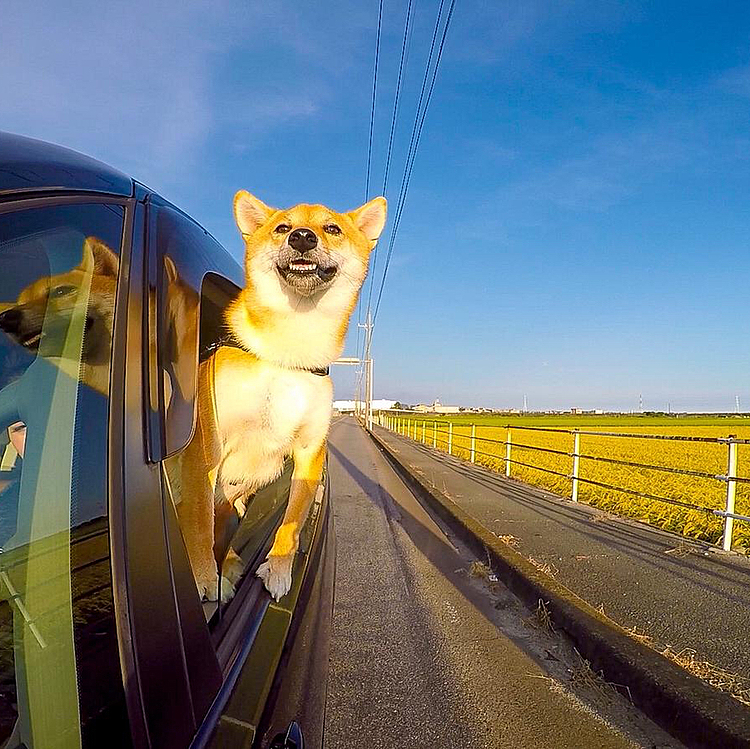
[423,654]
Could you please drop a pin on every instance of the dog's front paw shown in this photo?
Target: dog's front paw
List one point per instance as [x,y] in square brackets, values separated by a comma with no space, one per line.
[208,587]
[276,574]
[227,589]
[232,567]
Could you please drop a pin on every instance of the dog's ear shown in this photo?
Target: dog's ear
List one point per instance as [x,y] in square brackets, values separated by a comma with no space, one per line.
[370,218]
[250,213]
[103,261]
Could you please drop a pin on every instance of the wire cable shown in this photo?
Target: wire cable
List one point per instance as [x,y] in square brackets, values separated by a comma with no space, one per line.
[394,116]
[410,163]
[369,145]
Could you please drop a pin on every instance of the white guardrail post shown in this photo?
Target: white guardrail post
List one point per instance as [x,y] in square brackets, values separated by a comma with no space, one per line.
[473,440]
[731,493]
[507,455]
[576,458]
[423,428]
[450,438]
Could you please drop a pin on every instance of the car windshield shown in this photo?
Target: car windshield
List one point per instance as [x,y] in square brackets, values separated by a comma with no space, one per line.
[59,668]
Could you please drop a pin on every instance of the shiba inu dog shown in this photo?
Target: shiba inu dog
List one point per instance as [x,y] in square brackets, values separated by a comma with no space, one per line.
[38,319]
[269,396]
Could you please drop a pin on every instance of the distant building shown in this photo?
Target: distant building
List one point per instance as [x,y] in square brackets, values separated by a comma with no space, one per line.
[437,408]
[382,404]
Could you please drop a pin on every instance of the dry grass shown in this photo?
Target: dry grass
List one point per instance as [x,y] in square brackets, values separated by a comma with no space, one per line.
[585,676]
[509,540]
[542,618]
[681,550]
[738,686]
[642,637]
[548,568]
[480,569]
[719,678]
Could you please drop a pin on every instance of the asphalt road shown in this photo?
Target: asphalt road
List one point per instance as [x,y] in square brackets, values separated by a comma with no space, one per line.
[681,593]
[423,654]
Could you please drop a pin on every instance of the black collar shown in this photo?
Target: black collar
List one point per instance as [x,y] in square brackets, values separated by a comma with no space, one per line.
[230,340]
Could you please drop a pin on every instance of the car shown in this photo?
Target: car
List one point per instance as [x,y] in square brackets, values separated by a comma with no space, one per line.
[110,297]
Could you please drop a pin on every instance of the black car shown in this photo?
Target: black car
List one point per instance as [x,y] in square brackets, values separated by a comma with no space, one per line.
[109,299]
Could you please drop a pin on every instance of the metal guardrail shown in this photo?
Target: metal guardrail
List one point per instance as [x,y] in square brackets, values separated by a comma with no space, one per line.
[396,422]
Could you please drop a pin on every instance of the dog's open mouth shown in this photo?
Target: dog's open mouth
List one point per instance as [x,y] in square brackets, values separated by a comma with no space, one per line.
[31,340]
[306,270]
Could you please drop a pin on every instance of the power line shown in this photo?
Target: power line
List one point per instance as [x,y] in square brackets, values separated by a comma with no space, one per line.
[369,145]
[389,153]
[413,152]
[397,95]
[374,92]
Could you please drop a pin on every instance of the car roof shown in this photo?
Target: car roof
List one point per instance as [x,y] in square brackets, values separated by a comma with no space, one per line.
[27,164]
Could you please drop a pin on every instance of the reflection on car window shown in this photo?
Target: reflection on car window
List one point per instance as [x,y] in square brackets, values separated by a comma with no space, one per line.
[60,679]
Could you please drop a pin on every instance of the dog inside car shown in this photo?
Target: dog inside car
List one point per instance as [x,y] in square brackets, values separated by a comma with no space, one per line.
[269,396]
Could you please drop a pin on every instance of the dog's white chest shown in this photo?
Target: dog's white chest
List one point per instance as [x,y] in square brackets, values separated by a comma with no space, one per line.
[264,416]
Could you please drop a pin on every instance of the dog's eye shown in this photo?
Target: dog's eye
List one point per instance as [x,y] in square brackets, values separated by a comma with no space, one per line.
[282,229]
[62,290]
[332,229]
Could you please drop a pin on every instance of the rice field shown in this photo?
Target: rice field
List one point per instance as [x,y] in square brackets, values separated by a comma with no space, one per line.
[693,456]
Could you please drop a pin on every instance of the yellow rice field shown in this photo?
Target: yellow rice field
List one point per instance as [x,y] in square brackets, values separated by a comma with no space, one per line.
[695,456]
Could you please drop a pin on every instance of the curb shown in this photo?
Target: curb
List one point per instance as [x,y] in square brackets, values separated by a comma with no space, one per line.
[682,704]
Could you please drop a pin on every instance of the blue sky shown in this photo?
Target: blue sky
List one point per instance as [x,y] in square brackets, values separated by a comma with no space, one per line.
[577,226]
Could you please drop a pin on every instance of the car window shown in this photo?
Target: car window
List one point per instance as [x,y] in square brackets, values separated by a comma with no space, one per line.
[60,676]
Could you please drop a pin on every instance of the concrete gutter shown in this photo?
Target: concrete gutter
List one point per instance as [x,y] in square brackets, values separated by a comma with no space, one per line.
[682,704]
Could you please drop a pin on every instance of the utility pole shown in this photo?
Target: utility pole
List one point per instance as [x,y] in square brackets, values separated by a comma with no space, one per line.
[368,365]
[737,403]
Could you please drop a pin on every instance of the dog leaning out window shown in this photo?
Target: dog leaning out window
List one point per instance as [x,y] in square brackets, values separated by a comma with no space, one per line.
[263,392]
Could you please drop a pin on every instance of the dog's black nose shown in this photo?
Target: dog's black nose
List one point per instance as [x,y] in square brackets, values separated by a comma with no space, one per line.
[302,240]
[10,320]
